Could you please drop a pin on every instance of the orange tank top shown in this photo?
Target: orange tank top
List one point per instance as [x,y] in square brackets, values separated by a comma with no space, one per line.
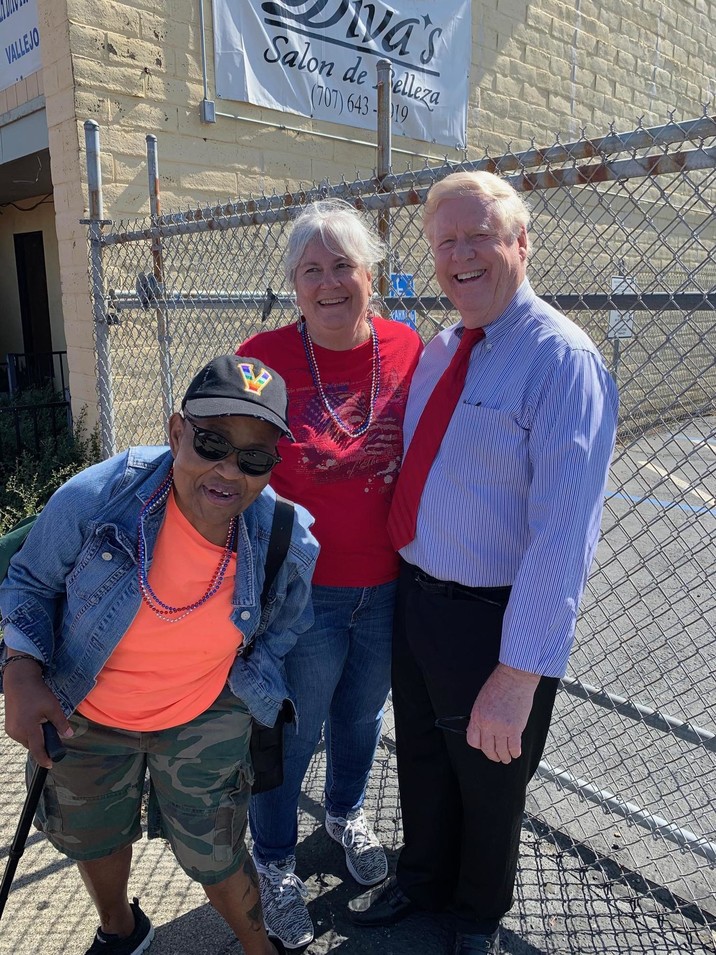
[164,674]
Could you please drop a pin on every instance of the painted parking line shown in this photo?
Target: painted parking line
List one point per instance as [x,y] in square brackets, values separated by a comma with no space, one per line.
[701,442]
[708,499]
[657,502]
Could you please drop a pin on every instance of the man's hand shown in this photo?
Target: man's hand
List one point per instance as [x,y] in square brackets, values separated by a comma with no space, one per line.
[500,713]
[29,703]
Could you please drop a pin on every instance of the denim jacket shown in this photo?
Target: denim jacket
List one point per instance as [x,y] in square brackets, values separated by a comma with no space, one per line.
[72,591]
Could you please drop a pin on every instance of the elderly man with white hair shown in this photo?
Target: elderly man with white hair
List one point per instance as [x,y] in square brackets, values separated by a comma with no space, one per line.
[509,430]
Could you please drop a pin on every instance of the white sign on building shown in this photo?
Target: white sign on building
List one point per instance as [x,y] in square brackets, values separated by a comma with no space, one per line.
[318,58]
[19,41]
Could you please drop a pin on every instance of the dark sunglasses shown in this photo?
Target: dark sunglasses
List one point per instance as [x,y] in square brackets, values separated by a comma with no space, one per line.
[213,447]
[453,724]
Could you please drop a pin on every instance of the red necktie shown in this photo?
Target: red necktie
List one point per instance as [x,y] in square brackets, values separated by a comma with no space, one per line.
[403,516]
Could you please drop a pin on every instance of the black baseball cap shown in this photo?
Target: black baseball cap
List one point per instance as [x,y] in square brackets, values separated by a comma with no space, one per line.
[235,385]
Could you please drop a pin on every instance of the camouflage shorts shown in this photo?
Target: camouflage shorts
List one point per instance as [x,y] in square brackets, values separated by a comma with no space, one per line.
[201,776]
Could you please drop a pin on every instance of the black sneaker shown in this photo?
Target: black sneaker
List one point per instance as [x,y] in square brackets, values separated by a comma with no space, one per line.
[139,941]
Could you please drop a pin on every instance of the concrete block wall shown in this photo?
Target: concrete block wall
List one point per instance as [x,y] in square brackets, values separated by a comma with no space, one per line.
[558,67]
[68,184]
[538,69]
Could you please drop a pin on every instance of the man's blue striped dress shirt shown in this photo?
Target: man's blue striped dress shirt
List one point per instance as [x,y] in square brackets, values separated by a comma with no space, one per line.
[515,494]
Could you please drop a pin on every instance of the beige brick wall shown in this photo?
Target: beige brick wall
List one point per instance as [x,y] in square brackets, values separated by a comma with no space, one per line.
[538,69]
[20,93]
[560,67]
[67,179]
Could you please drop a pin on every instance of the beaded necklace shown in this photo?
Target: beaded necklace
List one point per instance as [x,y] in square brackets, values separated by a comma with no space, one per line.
[163,610]
[316,376]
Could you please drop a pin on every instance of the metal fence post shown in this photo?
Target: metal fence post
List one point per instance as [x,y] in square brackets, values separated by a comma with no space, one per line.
[616,355]
[384,162]
[163,329]
[101,322]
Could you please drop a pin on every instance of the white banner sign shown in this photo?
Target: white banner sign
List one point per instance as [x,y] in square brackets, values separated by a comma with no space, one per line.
[19,41]
[318,58]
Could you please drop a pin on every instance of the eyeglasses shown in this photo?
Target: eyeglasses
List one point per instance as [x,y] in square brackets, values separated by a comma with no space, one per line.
[214,447]
[453,724]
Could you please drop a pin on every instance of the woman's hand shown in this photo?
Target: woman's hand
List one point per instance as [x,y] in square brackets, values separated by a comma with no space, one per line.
[29,703]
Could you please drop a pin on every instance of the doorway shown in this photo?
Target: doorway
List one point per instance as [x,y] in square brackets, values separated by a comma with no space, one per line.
[34,309]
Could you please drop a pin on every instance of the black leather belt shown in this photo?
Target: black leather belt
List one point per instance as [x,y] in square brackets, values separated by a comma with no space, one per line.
[497,596]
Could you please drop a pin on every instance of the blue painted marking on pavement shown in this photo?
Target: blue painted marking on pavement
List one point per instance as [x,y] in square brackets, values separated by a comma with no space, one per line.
[691,508]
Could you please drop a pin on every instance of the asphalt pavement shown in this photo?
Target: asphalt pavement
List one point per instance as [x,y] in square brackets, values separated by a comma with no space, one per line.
[588,883]
[567,900]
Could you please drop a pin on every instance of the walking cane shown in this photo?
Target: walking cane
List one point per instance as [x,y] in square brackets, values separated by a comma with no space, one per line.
[56,751]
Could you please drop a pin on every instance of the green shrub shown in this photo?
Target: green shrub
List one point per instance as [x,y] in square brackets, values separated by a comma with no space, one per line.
[35,416]
[28,480]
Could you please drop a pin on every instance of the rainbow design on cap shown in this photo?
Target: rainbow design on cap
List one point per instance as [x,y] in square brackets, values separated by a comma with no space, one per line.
[252,382]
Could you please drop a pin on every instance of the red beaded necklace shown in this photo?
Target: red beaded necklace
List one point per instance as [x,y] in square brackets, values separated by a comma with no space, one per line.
[163,610]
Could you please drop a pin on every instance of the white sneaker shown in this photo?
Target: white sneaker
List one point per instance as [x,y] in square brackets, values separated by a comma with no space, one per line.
[283,898]
[365,857]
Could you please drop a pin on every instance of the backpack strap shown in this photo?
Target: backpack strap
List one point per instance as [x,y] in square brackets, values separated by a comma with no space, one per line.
[266,746]
[279,542]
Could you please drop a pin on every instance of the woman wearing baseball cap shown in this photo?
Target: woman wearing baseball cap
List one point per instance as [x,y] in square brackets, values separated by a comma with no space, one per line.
[126,617]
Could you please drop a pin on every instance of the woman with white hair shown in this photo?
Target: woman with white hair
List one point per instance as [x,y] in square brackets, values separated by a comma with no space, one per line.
[347,371]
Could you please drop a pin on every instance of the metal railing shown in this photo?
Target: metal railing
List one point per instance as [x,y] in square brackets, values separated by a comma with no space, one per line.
[34,427]
[623,233]
[32,370]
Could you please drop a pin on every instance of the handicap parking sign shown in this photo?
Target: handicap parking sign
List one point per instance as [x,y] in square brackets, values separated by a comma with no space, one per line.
[403,284]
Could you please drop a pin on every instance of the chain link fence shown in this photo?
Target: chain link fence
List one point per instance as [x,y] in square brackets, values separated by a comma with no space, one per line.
[623,234]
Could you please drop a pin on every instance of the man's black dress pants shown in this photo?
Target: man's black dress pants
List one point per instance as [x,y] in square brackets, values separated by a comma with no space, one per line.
[462,813]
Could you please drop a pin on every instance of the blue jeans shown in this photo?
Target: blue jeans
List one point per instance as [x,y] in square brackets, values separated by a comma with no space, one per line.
[339,674]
